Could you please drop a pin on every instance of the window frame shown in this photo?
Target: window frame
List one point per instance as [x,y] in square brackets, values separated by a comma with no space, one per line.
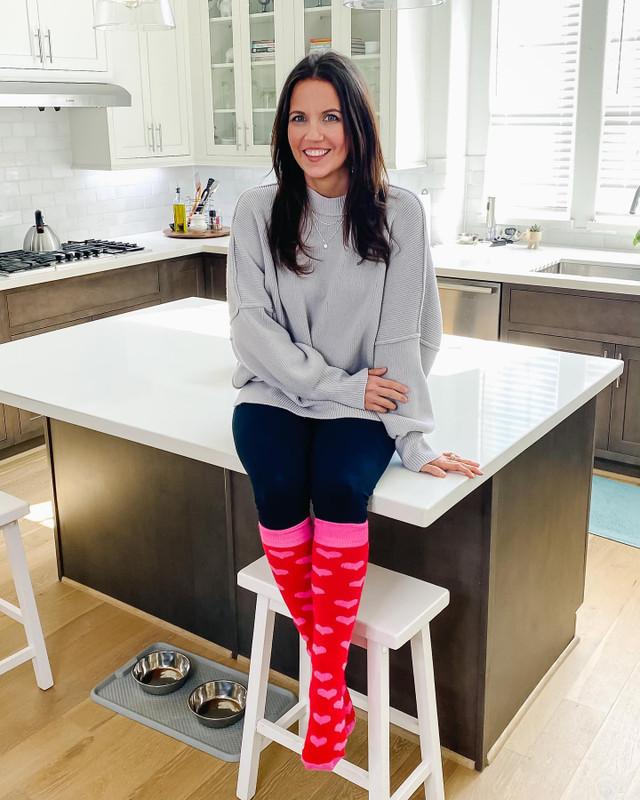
[591,62]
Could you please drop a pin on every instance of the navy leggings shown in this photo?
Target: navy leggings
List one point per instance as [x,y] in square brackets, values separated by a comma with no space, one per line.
[292,461]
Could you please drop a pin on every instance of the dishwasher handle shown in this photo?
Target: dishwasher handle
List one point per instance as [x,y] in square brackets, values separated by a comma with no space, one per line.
[468,287]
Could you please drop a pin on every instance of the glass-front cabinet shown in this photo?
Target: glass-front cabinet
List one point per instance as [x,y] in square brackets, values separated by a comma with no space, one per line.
[225,79]
[245,56]
[328,25]
[250,46]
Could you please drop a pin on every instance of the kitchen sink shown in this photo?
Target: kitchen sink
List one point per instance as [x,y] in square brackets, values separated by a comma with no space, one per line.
[594,270]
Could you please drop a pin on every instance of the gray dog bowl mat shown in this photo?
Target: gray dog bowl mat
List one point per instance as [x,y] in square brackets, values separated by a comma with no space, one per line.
[170,713]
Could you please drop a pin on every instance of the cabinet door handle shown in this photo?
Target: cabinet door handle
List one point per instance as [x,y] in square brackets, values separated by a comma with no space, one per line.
[246,128]
[619,357]
[38,36]
[48,36]
[239,128]
[153,138]
[159,129]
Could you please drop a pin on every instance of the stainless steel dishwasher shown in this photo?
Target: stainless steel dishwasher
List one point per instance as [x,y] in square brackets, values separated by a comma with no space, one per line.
[470,308]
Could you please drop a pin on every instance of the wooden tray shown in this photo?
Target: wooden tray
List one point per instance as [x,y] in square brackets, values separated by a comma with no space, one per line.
[196,234]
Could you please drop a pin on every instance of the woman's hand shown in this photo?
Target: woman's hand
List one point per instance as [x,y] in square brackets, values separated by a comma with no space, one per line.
[450,462]
[379,390]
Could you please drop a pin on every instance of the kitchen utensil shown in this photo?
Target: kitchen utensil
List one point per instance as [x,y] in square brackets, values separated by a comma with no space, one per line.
[161,672]
[217,704]
[198,193]
[209,189]
[40,238]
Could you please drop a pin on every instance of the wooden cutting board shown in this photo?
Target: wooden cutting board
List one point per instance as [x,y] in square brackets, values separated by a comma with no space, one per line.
[196,234]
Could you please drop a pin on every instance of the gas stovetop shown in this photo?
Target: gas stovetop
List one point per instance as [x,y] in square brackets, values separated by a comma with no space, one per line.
[17,261]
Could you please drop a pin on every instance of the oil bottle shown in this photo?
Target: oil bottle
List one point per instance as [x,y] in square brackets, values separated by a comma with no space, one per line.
[179,213]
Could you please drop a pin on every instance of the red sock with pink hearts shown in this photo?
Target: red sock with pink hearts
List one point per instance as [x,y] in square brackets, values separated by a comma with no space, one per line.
[339,565]
[288,552]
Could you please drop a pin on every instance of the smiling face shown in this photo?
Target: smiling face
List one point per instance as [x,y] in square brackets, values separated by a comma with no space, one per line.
[317,138]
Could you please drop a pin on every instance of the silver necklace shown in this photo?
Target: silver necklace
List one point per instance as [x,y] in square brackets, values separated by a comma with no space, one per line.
[325,242]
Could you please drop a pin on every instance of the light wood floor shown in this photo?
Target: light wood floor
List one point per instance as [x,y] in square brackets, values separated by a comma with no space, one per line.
[580,740]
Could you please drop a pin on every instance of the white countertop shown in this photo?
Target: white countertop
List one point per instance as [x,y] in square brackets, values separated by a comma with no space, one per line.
[507,264]
[162,377]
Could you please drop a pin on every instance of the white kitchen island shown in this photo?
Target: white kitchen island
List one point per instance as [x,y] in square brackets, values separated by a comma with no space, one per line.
[153,507]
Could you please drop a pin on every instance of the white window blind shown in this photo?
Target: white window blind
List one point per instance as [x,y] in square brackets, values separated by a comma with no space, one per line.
[620,138]
[532,107]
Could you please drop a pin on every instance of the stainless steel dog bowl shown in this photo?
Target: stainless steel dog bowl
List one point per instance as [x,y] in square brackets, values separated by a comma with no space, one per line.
[218,703]
[162,671]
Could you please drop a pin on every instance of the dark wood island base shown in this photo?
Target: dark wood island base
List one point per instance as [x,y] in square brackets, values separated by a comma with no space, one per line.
[167,535]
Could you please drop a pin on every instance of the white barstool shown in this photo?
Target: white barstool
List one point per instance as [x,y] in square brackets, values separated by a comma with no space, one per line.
[26,612]
[394,609]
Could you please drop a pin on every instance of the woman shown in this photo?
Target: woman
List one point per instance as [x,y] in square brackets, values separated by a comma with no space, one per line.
[311,311]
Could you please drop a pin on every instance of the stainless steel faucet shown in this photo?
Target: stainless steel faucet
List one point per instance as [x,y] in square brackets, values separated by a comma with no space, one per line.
[634,202]
[490,226]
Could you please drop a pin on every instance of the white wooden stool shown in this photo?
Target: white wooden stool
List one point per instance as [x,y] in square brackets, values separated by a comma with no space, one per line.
[26,612]
[394,609]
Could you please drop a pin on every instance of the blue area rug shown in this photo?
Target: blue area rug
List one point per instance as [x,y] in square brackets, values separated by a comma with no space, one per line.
[615,510]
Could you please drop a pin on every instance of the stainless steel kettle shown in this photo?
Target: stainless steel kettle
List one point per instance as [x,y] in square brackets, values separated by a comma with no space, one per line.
[40,238]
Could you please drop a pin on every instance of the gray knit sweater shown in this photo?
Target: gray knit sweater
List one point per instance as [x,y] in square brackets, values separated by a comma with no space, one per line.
[306,343]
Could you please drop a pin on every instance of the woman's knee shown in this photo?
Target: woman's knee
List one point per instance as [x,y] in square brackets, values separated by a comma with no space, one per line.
[282,501]
[340,497]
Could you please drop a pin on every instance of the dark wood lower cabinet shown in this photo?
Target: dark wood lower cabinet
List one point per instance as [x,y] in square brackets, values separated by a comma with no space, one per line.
[593,323]
[32,310]
[215,277]
[624,436]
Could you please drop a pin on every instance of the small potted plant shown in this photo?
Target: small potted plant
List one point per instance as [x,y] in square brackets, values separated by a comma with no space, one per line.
[532,236]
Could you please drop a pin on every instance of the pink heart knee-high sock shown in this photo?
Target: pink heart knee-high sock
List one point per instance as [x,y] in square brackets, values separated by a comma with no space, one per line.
[288,552]
[339,564]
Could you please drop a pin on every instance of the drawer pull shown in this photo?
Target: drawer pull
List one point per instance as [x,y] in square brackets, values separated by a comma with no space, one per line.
[458,287]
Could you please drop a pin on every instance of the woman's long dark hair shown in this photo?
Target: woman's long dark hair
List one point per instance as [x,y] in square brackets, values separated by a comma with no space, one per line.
[365,204]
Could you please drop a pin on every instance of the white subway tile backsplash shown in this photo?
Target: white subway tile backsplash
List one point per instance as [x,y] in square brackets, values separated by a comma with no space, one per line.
[14,144]
[23,129]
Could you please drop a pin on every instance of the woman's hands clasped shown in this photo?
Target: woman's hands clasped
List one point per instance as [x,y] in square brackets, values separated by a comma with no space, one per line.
[380,395]
[380,392]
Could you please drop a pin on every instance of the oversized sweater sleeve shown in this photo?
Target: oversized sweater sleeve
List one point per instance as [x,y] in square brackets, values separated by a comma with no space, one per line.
[260,343]
[409,333]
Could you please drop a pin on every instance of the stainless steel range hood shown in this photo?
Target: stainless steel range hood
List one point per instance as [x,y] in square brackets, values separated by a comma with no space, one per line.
[36,94]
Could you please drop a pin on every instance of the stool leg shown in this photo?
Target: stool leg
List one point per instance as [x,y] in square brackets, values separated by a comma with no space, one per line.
[427,712]
[27,603]
[378,693]
[256,698]
[304,681]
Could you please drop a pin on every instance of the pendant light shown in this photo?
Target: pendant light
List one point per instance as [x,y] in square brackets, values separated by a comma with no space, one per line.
[134,15]
[390,5]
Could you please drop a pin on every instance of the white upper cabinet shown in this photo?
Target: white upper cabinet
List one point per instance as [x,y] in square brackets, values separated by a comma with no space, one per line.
[50,35]
[390,49]
[243,51]
[155,129]
[19,45]
[169,89]
[241,57]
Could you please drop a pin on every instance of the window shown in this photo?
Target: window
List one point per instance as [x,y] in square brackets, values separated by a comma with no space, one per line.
[533,93]
[619,172]
[562,122]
